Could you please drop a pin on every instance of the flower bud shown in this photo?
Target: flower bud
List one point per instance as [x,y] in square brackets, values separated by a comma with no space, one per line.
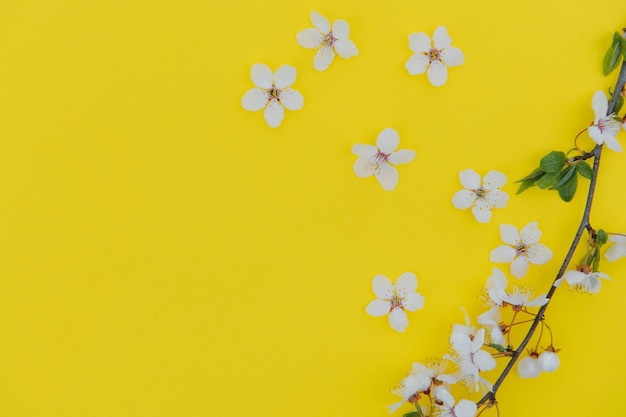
[549,361]
[528,367]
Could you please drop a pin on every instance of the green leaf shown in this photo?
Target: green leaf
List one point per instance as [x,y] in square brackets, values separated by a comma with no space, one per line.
[620,101]
[623,41]
[553,162]
[412,414]
[601,237]
[613,55]
[564,177]
[497,347]
[584,169]
[547,180]
[525,185]
[596,262]
[535,175]
[567,191]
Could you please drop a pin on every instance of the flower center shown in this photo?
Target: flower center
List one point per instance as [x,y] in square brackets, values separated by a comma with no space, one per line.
[521,249]
[396,302]
[609,124]
[377,160]
[434,55]
[328,39]
[481,193]
[273,93]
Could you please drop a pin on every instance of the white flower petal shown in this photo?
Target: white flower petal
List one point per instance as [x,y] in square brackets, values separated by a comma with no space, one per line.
[403,156]
[437,73]
[378,308]
[538,302]
[618,250]
[323,58]
[611,142]
[387,177]
[549,361]
[417,64]
[284,76]
[494,179]
[497,198]
[463,199]
[530,233]
[320,22]
[274,114]
[414,302]
[346,48]
[364,151]
[254,100]
[519,267]
[363,168]
[419,43]
[574,277]
[452,57]
[528,367]
[309,38]
[406,284]
[484,361]
[382,286]
[465,408]
[445,397]
[482,211]
[599,104]
[398,320]
[441,38]
[469,179]
[502,254]
[261,76]
[291,99]
[341,29]
[539,254]
[594,285]
[388,140]
[596,134]
[509,234]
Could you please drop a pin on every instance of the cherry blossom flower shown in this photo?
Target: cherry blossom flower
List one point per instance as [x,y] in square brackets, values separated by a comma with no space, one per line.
[481,197]
[605,127]
[521,298]
[521,248]
[409,387]
[379,160]
[324,40]
[618,250]
[435,60]
[491,319]
[272,93]
[529,367]
[470,358]
[496,287]
[549,361]
[588,281]
[422,378]
[395,299]
[464,408]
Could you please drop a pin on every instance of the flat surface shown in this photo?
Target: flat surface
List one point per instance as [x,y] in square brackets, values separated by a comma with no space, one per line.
[163,252]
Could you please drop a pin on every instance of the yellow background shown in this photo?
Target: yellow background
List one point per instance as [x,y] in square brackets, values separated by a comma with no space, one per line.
[165,253]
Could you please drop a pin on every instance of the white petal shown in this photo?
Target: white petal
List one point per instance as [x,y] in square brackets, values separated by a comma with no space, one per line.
[417,64]
[463,199]
[497,198]
[291,99]
[419,43]
[611,142]
[406,284]
[452,57]
[437,73]
[615,252]
[341,29]
[538,302]
[323,58]
[261,76]
[445,397]
[530,233]
[274,114]
[309,38]
[398,320]
[382,286]
[502,254]
[599,104]
[482,211]
[388,140]
[528,367]
[441,38]
[254,100]
[596,134]
[469,179]
[574,277]
[484,361]
[549,361]
[320,22]
[365,151]
[403,156]
[494,179]
[284,76]
[539,254]
[593,285]
[519,267]
[509,234]
[363,168]
[346,48]
[378,308]
[465,408]
[387,177]
[414,302]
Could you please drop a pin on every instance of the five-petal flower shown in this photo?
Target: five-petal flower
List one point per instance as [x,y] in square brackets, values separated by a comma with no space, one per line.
[481,197]
[521,248]
[379,160]
[605,127]
[324,40]
[584,281]
[272,93]
[394,299]
[436,59]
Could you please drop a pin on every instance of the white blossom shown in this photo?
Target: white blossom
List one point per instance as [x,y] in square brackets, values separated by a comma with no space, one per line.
[496,287]
[434,59]
[471,359]
[448,408]
[421,379]
[408,387]
[521,298]
[588,282]
[549,361]
[618,249]
[605,127]
[481,196]
[272,93]
[491,319]
[395,299]
[521,248]
[528,367]
[326,41]
[380,160]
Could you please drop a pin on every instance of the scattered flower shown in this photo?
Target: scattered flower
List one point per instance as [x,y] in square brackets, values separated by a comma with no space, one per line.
[447,408]
[618,250]
[394,299]
[323,40]
[272,93]
[549,361]
[583,281]
[379,160]
[435,59]
[521,250]
[422,378]
[481,198]
[471,359]
[605,127]
[529,367]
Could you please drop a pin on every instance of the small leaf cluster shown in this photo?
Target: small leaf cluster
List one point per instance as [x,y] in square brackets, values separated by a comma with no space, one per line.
[615,53]
[592,258]
[559,173]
